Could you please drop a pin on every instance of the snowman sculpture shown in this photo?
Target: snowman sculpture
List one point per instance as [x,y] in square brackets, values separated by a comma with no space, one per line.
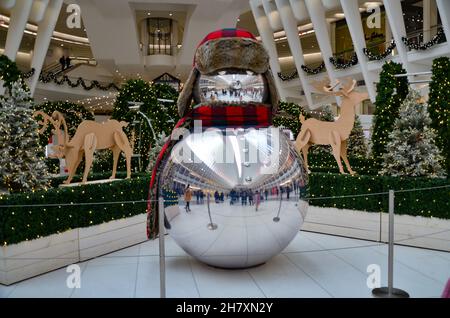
[232,182]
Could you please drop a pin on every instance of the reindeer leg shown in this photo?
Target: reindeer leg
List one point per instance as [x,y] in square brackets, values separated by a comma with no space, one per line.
[116,153]
[73,168]
[301,142]
[122,142]
[344,156]
[305,156]
[335,142]
[90,143]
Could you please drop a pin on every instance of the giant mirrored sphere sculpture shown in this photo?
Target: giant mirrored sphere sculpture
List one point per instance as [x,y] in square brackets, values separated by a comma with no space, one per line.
[251,207]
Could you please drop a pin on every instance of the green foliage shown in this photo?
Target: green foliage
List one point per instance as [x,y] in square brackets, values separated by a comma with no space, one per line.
[391,91]
[326,163]
[9,72]
[22,166]
[73,113]
[155,150]
[26,223]
[439,106]
[288,116]
[357,143]
[427,203]
[163,116]
[411,150]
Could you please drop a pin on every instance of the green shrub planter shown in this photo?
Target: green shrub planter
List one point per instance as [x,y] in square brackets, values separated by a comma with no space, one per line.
[427,203]
[26,223]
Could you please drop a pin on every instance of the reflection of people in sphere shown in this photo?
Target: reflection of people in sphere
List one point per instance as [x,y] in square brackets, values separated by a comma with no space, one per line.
[188,197]
[236,85]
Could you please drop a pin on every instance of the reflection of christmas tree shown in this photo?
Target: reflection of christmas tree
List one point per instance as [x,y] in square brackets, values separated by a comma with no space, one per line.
[325,115]
[22,164]
[411,150]
[155,150]
[356,145]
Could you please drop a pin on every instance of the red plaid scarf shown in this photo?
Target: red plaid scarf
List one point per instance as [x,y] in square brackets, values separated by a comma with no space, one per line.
[250,115]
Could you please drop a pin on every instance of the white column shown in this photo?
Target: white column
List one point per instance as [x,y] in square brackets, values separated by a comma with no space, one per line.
[317,14]
[272,14]
[38,10]
[395,15]
[17,24]
[426,20]
[144,37]
[444,11]
[44,33]
[354,22]
[290,27]
[266,33]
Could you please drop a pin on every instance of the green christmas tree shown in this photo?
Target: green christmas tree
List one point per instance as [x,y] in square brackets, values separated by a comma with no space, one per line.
[163,116]
[357,145]
[288,116]
[155,150]
[391,91]
[411,150]
[439,107]
[325,115]
[22,166]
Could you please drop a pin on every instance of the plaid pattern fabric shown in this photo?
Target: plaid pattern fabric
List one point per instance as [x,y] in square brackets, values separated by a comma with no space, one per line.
[228,33]
[233,116]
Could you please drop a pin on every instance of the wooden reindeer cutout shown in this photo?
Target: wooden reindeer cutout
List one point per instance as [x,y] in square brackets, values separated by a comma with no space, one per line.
[335,134]
[89,136]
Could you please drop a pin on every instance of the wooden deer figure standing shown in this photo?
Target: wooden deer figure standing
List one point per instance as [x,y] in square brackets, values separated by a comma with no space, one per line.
[89,136]
[335,134]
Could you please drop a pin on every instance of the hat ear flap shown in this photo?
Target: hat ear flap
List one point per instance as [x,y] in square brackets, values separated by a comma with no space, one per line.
[185,97]
[273,93]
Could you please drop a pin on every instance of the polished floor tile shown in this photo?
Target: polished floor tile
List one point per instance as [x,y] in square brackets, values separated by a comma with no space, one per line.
[312,265]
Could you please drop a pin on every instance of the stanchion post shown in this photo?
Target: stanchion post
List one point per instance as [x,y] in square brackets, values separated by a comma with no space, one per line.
[390,291]
[162,252]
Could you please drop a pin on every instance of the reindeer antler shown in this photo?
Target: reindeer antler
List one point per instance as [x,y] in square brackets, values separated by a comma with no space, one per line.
[326,87]
[46,119]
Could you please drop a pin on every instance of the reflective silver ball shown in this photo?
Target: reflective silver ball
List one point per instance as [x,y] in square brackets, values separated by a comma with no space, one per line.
[260,210]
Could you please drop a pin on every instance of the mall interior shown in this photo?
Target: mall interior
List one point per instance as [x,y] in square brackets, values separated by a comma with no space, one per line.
[370,78]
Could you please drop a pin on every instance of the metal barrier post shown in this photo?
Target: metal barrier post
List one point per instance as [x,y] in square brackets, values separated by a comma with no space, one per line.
[390,291]
[162,253]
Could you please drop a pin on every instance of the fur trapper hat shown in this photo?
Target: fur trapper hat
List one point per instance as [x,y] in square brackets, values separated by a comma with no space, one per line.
[228,49]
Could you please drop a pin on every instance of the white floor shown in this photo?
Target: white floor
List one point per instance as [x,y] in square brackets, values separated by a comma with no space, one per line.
[313,265]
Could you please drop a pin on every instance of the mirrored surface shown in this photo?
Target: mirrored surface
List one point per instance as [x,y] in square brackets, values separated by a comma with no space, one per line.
[245,189]
[230,87]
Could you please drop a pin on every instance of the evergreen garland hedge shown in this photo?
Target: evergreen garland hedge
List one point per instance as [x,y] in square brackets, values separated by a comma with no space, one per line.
[427,203]
[19,224]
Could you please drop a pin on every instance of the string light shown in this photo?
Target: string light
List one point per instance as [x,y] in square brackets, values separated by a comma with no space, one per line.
[438,38]
[339,64]
[378,57]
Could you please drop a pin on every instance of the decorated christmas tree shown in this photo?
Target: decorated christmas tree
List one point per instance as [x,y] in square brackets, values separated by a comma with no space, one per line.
[155,150]
[325,115]
[288,116]
[163,115]
[411,150]
[439,106]
[357,145]
[391,91]
[22,166]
